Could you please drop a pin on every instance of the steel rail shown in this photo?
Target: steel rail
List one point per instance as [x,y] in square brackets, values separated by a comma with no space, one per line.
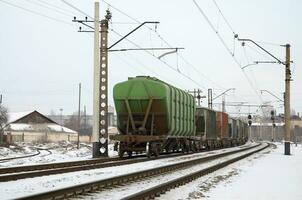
[93,186]
[25,156]
[157,190]
[20,157]
[31,171]
[51,165]
[96,164]
[36,167]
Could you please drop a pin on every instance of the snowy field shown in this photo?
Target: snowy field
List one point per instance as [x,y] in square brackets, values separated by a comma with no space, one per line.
[266,175]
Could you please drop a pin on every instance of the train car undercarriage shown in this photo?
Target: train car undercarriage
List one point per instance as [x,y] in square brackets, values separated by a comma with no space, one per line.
[155,145]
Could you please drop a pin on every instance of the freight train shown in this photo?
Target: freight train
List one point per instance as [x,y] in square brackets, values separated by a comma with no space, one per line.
[156,117]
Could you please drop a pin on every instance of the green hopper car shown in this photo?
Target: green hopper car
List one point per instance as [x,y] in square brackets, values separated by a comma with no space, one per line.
[153,116]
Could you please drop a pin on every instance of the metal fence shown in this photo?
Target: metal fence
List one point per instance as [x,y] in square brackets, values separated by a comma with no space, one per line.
[277,133]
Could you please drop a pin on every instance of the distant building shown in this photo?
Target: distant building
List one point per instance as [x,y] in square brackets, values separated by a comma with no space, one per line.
[86,119]
[33,126]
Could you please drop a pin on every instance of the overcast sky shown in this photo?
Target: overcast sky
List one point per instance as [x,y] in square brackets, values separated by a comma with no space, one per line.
[42,60]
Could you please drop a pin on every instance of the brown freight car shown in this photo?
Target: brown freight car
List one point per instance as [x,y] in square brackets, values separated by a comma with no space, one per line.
[222,129]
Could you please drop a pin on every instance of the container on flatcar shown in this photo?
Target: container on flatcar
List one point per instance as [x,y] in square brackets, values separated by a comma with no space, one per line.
[246,131]
[233,128]
[206,123]
[147,106]
[240,127]
[222,125]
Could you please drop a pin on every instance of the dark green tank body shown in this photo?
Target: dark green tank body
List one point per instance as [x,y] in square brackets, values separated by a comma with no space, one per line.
[148,106]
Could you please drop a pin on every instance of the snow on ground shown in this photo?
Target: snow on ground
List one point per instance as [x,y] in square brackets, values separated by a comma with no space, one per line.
[133,187]
[53,152]
[266,175]
[14,189]
[16,151]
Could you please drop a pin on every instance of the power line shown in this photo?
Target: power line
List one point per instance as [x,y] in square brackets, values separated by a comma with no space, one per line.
[135,43]
[36,13]
[127,63]
[188,63]
[168,65]
[57,7]
[47,7]
[134,58]
[77,9]
[224,18]
[163,40]
[269,43]
[188,77]
[122,12]
[216,31]
[258,52]
[227,48]
[224,43]
[245,54]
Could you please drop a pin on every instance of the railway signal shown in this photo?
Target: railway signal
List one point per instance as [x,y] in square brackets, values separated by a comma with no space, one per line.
[249,117]
[273,124]
[249,120]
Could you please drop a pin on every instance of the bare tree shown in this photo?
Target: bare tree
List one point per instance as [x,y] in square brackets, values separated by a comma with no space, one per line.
[72,123]
[3,120]
[52,112]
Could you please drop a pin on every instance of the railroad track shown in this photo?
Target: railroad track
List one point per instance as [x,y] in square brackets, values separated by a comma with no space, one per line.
[26,156]
[31,171]
[103,184]
[157,190]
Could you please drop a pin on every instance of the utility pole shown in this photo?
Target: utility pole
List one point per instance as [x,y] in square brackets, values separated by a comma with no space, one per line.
[0,99]
[210,99]
[196,95]
[100,78]
[100,81]
[223,103]
[85,119]
[96,83]
[287,89]
[61,116]
[287,100]
[79,117]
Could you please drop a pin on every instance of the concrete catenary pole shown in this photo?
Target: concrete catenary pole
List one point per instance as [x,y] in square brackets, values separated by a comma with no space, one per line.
[103,132]
[96,82]
[287,101]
